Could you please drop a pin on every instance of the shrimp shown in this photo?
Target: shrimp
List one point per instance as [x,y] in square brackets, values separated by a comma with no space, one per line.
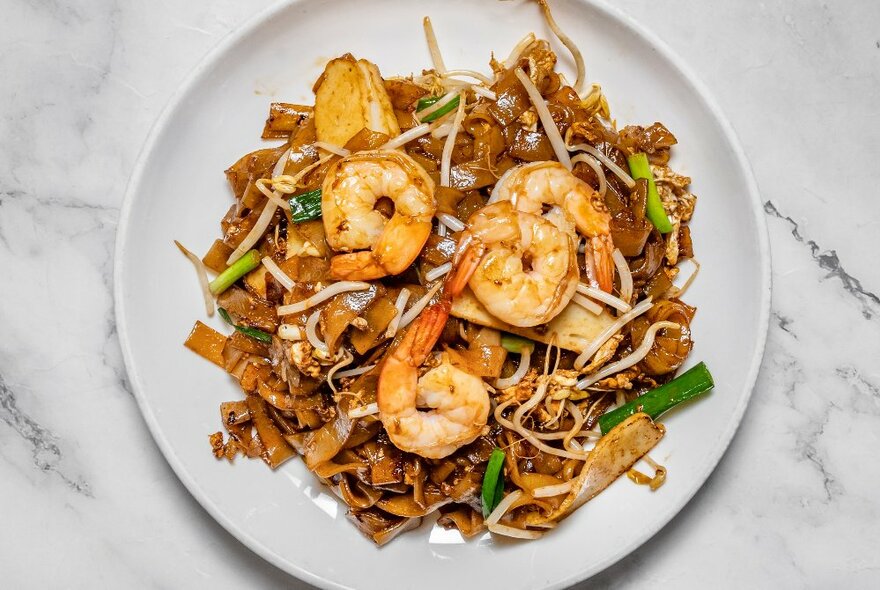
[532,186]
[458,401]
[376,246]
[527,270]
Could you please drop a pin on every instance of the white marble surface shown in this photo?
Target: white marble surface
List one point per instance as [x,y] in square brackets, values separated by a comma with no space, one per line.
[88,501]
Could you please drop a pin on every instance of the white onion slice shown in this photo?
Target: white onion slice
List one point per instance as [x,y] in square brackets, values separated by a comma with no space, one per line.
[547,122]
[610,331]
[437,272]
[312,332]
[446,156]
[417,307]
[202,274]
[255,234]
[587,304]
[280,276]
[400,305]
[404,138]
[607,298]
[629,360]
[525,360]
[367,410]
[322,295]
[623,271]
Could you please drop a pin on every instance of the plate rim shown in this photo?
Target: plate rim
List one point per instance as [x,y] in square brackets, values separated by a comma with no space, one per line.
[629,23]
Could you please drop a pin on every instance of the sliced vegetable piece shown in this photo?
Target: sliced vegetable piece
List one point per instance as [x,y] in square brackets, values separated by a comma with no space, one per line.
[692,383]
[252,332]
[236,270]
[428,101]
[493,482]
[306,206]
[640,168]
[514,343]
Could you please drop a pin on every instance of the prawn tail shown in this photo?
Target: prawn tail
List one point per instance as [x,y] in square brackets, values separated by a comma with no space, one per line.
[356,266]
[603,261]
[424,333]
[465,263]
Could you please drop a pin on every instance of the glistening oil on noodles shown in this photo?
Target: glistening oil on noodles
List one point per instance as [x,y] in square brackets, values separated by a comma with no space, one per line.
[453,294]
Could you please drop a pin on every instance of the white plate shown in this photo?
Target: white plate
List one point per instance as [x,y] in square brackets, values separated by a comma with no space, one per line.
[178,191]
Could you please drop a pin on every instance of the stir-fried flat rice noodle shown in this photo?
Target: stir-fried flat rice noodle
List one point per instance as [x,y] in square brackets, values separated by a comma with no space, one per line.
[443,291]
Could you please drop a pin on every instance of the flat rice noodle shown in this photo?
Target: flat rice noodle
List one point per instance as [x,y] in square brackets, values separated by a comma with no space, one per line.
[357,495]
[365,429]
[468,521]
[471,176]
[302,149]
[289,403]
[512,100]
[405,505]
[380,526]
[385,460]
[447,199]
[489,146]
[404,94]
[671,345]
[470,204]
[251,167]
[378,316]
[480,360]
[284,118]
[685,244]
[657,285]
[313,231]
[653,254]
[248,344]
[254,374]
[431,146]
[574,328]
[217,256]
[286,425]
[366,139]
[548,464]
[247,309]
[309,419]
[532,481]
[275,449]
[342,309]
[649,140]
[310,270]
[207,343]
[256,282]
[614,454]
[438,250]
[530,146]
[234,413]
[440,472]
[252,196]
[324,443]
[236,228]
[630,235]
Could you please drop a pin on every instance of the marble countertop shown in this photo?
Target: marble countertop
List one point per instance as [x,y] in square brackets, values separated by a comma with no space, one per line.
[88,500]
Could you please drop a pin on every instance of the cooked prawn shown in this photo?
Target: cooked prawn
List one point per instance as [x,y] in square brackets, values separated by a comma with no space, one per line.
[376,246]
[458,401]
[527,270]
[532,186]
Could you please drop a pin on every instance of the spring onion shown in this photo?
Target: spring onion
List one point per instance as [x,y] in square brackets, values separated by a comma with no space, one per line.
[306,206]
[640,168]
[428,101]
[252,332]
[513,343]
[692,383]
[493,482]
[236,270]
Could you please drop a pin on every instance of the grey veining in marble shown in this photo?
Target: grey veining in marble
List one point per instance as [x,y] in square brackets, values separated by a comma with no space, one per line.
[794,502]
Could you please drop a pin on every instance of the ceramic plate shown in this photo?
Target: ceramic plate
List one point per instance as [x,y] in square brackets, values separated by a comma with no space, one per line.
[178,191]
